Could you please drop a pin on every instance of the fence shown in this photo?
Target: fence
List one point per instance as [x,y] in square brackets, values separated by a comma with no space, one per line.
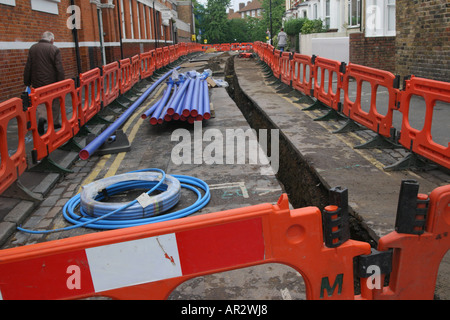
[77,104]
[325,79]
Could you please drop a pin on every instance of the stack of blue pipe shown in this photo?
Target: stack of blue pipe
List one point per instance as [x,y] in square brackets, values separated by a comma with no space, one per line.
[185,98]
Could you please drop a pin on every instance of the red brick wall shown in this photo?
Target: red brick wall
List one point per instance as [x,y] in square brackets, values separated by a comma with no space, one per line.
[423,39]
[23,26]
[374,52]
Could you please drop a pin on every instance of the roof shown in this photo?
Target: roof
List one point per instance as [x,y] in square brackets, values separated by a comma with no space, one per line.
[255,4]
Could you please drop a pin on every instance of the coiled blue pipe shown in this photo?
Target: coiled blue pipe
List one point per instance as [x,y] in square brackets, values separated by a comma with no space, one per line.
[121,218]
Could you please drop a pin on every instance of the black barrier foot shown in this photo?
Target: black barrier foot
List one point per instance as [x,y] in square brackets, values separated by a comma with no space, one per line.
[115,144]
[97,119]
[411,161]
[350,126]
[18,190]
[378,142]
[275,83]
[330,115]
[315,106]
[284,88]
[71,145]
[48,165]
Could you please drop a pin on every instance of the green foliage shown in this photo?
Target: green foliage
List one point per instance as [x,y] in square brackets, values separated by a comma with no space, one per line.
[215,20]
[294,26]
[313,26]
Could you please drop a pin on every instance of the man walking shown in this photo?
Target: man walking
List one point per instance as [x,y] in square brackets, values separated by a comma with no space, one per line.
[44,67]
[282,36]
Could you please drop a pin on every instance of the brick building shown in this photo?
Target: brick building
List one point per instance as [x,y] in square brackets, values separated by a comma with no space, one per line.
[251,9]
[422,42]
[89,33]
[405,37]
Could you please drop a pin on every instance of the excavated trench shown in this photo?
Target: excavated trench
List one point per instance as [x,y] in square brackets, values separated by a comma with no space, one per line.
[298,179]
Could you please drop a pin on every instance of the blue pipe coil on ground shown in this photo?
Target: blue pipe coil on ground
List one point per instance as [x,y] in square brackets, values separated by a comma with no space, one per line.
[116,216]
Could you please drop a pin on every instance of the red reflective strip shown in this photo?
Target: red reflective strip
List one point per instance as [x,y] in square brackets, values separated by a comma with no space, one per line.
[46,277]
[221,246]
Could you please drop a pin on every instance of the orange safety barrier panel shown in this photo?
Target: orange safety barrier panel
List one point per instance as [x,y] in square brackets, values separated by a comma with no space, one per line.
[326,94]
[113,263]
[225,47]
[91,89]
[52,139]
[12,166]
[276,64]
[416,257]
[159,58]
[166,56]
[111,83]
[146,64]
[235,46]
[421,141]
[135,69]
[285,66]
[270,56]
[171,54]
[373,119]
[302,73]
[177,51]
[125,75]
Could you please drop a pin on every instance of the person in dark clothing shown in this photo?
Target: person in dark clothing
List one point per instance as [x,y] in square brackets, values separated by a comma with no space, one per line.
[44,67]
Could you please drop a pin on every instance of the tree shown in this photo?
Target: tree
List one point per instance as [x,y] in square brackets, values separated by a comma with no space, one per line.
[215,21]
[278,9]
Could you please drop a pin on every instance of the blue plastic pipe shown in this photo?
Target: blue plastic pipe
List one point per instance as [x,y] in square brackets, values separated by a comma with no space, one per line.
[164,116]
[158,111]
[200,103]
[206,108]
[195,98]
[152,109]
[87,151]
[187,103]
[180,94]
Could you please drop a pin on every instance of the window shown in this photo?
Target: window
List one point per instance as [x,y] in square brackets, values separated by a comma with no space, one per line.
[380,18]
[390,17]
[122,13]
[131,19]
[327,14]
[47,6]
[354,13]
[8,2]
[314,11]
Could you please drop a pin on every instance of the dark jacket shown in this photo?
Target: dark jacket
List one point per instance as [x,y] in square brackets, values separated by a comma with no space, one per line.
[44,65]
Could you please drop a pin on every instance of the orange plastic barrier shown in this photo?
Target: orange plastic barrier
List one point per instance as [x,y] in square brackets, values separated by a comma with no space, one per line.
[135,69]
[166,56]
[322,91]
[276,64]
[416,257]
[52,139]
[125,75]
[159,58]
[146,64]
[373,119]
[420,141]
[285,66]
[91,89]
[302,73]
[111,83]
[235,46]
[113,263]
[12,166]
